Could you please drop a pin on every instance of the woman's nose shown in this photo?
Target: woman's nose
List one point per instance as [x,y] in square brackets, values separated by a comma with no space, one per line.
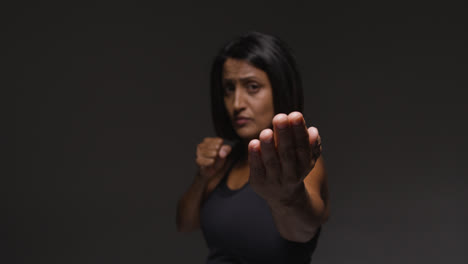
[239,99]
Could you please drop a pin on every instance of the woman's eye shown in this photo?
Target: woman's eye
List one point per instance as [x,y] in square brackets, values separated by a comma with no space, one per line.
[253,87]
[228,88]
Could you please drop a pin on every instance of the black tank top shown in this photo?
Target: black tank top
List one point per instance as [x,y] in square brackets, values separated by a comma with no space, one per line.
[238,228]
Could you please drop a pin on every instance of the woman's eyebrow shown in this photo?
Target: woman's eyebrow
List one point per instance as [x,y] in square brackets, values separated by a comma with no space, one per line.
[242,79]
[249,78]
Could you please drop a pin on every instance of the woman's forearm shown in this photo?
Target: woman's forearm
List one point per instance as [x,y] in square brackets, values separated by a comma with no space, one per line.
[188,207]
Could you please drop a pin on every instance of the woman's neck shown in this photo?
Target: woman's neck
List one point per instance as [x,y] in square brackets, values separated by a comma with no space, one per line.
[240,154]
[243,162]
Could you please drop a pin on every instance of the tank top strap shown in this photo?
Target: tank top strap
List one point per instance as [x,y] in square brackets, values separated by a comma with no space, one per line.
[226,174]
[222,187]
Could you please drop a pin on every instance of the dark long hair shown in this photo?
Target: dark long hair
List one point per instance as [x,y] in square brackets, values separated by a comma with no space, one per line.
[274,57]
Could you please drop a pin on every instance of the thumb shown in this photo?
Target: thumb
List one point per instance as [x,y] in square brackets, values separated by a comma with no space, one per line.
[223,152]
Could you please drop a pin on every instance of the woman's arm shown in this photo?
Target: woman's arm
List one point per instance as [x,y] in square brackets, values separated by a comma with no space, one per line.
[188,207]
[211,161]
[286,170]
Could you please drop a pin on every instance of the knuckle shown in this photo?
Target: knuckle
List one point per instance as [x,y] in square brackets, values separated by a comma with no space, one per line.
[208,163]
[203,162]
[201,147]
[317,152]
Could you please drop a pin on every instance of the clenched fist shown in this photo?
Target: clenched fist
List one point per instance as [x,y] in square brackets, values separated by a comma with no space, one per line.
[211,158]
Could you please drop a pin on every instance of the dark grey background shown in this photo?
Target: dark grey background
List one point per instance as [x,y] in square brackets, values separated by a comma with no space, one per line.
[111,100]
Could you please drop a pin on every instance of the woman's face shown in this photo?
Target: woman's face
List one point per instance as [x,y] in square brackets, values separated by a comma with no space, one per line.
[248,98]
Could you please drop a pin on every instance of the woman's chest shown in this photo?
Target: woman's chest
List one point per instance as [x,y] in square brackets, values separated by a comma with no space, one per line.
[235,180]
[239,220]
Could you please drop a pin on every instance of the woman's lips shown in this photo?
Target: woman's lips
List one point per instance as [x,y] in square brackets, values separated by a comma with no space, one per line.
[241,121]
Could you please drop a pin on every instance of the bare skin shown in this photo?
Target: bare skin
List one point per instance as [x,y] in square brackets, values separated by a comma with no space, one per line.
[284,166]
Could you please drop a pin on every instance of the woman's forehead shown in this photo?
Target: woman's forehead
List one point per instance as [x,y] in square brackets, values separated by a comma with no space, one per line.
[241,69]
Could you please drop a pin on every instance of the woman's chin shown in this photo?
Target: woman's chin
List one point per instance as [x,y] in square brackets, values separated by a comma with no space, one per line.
[247,135]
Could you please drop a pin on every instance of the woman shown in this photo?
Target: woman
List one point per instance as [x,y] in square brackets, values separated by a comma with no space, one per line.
[260,194]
